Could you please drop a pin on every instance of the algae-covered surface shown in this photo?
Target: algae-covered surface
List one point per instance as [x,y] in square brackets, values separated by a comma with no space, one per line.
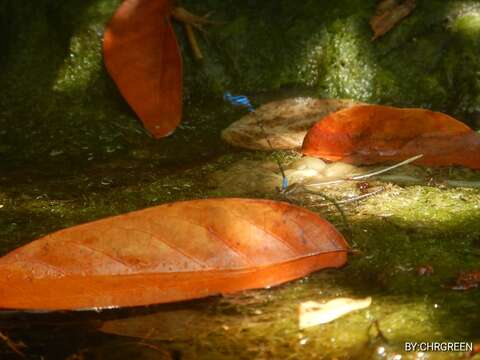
[72,151]
[395,232]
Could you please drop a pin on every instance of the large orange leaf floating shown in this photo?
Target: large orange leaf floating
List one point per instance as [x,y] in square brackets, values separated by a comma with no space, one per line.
[143,58]
[173,252]
[369,134]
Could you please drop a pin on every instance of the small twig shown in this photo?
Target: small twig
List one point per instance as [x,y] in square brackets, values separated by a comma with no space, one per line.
[192,21]
[462,183]
[295,188]
[339,209]
[192,40]
[148,345]
[382,171]
[375,325]
[367,175]
[15,347]
[356,198]
[277,158]
[183,15]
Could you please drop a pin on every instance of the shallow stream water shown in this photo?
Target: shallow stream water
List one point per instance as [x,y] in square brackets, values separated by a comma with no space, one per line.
[394,233]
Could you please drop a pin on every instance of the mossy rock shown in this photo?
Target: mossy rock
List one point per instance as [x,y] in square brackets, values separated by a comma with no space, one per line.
[58,102]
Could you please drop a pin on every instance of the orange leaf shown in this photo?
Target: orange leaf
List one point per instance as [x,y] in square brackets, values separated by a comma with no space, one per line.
[142,56]
[185,250]
[370,134]
[388,14]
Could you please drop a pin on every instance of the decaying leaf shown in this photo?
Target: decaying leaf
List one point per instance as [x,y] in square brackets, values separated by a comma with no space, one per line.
[467,280]
[388,14]
[312,313]
[369,134]
[285,123]
[174,252]
[143,58]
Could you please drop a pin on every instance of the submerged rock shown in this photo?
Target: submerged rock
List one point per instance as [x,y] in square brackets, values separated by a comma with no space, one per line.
[285,122]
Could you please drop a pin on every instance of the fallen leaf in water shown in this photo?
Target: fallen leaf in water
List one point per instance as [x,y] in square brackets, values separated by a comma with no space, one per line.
[388,14]
[143,58]
[174,252]
[312,313]
[285,123]
[467,280]
[369,134]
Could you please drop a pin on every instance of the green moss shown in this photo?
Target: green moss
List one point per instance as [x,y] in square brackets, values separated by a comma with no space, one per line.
[72,152]
[468,24]
[54,84]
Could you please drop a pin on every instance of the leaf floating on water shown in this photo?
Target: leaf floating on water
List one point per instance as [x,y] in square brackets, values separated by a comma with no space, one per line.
[285,122]
[174,252]
[388,14]
[312,313]
[143,58]
[370,134]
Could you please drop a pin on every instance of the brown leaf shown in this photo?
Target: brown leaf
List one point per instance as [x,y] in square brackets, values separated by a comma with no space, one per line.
[370,134]
[179,251]
[143,58]
[388,14]
[284,123]
[467,280]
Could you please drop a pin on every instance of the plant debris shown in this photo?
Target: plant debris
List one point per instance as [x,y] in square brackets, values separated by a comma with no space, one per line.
[467,280]
[313,313]
[388,14]
[285,123]
[424,270]
[14,346]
